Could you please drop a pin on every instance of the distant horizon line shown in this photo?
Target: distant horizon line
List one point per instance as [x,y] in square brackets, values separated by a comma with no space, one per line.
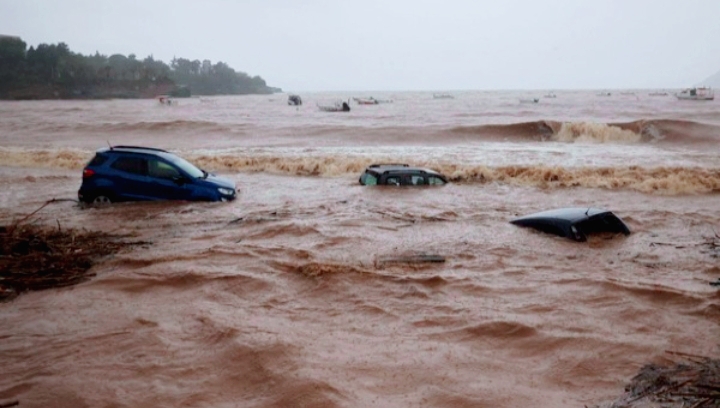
[495,90]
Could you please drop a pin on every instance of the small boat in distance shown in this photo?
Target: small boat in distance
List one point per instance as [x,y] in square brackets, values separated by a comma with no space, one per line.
[443,96]
[294,100]
[166,100]
[696,94]
[550,95]
[658,94]
[366,101]
[529,100]
[336,107]
[604,94]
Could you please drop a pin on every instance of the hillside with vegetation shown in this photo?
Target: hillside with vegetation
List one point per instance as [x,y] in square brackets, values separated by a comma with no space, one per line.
[53,71]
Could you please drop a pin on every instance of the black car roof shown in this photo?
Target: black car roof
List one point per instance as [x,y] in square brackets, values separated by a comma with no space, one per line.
[385,165]
[132,149]
[572,214]
[398,167]
[573,223]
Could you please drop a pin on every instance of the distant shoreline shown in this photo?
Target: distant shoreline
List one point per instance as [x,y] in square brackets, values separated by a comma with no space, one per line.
[38,93]
[53,71]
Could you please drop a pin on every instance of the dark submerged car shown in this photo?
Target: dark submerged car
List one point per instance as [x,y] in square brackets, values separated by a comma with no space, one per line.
[574,223]
[400,175]
[132,173]
[294,100]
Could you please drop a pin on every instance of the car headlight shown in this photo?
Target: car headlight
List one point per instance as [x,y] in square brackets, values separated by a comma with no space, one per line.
[226,191]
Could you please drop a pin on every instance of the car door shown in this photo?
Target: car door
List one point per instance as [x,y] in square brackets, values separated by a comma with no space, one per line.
[168,182]
[130,178]
[412,179]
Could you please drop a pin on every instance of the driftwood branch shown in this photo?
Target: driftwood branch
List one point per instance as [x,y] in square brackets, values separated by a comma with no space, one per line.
[25,218]
[693,382]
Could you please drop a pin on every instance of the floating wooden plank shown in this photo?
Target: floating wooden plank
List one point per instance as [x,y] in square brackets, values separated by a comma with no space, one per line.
[411,259]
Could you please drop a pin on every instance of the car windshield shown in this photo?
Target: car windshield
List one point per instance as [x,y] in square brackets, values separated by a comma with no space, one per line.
[187,167]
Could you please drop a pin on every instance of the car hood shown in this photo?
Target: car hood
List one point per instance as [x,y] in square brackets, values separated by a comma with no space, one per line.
[216,181]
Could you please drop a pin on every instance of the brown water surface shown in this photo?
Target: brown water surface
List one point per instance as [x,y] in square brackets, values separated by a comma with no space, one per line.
[282,298]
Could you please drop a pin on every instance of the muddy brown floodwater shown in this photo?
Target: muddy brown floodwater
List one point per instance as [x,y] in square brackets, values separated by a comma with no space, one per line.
[282,299]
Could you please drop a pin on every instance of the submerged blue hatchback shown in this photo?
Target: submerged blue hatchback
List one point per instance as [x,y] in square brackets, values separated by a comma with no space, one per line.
[131,173]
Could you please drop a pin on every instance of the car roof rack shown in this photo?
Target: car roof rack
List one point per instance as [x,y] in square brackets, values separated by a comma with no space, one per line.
[138,148]
[389,164]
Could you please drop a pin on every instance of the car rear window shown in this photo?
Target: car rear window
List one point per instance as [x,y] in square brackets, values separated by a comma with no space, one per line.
[368,179]
[98,160]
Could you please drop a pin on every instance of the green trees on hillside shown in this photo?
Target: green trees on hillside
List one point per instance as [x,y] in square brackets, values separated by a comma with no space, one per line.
[207,79]
[12,61]
[53,70]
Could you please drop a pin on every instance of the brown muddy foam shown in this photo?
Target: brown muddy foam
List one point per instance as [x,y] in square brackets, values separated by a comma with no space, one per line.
[658,180]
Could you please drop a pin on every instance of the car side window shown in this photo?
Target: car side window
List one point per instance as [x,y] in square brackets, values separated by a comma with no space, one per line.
[392,181]
[133,165]
[160,169]
[417,180]
[435,181]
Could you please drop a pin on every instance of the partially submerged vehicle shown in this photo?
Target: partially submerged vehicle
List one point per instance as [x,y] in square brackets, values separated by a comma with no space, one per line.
[134,173]
[574,223]
[165,100]
[395,174]
[294,100]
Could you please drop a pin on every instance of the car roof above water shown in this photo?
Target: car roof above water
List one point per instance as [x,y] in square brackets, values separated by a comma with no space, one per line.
[397,167]
[575,222]
[136,149]
[571,214]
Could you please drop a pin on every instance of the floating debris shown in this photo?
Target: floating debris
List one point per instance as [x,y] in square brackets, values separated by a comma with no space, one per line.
[692,383]
[34,257]
[410,259]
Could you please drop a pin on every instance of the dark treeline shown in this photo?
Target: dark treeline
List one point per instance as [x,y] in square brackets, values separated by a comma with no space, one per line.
[53,71]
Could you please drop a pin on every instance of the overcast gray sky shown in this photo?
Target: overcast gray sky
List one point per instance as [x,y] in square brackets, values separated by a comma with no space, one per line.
[317,45]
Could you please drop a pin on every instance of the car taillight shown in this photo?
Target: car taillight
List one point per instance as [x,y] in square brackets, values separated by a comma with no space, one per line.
[88,173]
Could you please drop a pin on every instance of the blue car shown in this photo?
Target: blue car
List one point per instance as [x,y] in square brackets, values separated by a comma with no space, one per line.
[131,173]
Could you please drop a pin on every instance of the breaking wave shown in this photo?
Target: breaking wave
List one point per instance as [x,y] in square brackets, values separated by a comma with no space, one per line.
[665,131]
[659,130]
[669,180]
